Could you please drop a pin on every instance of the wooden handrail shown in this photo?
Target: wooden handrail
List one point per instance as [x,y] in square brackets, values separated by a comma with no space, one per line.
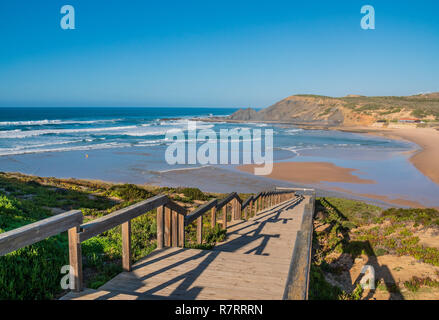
[246,202]
[171,222]
[176,207]
[96,227]
[29,234]
[226,200]
[200,211]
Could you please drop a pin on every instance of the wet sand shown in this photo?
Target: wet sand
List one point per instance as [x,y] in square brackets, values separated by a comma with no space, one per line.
[310,172]
[426,159]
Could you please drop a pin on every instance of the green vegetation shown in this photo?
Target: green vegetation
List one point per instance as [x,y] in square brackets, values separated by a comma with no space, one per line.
[415,283]
[128,192]
[420,106]
[193,194]
[347,228]
[424,217]
[210,237]
[326,112]
[33,272]
[312,96]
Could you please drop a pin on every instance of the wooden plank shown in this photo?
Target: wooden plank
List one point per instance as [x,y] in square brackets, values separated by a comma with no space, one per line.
[238,210]
[175,207]
[213,217]
[226,200]
[298,277]
[126,246]
[233,209]
[200,230]
[40,230]
[224,209]
[200,211]
[160,227]
[247,202]
[167,233]
[181,231]
[174,228]
[95,227]
[75,258]
[256,267]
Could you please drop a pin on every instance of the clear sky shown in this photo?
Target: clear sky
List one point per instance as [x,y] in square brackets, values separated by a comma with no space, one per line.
[213,53]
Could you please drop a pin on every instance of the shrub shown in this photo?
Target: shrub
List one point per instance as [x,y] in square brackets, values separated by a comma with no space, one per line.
[129,192]
[424,217]
[193,193]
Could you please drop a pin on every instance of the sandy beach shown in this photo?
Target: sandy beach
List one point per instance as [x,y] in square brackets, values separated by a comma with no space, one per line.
[310,172]
[426,158]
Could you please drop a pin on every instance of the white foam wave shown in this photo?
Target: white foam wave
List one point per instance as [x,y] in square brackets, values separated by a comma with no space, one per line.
[293,131]
[110,145]
[184,169]
[53,122]
[19,134]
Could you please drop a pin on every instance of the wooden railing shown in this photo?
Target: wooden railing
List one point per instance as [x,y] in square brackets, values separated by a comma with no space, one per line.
[171,222]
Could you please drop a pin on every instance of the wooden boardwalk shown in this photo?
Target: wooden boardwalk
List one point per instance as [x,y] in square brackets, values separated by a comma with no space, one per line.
[254,263]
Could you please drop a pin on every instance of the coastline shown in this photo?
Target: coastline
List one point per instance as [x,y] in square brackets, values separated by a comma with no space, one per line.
[425,159]
[348,171]
[427,139]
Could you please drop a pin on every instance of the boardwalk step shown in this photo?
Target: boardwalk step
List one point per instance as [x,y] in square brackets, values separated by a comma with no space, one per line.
[252,263]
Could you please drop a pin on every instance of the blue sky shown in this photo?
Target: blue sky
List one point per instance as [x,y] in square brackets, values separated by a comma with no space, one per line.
[213,53]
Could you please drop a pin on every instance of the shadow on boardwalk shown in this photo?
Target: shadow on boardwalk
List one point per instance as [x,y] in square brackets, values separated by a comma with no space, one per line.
[247,233]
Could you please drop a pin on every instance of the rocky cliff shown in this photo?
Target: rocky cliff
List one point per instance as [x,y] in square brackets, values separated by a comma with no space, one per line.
[350,110]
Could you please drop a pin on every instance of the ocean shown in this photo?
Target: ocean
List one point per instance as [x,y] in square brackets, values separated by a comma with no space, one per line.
[129,145]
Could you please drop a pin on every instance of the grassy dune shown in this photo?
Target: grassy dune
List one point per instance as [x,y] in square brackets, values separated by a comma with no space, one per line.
[350,234]
[34,272]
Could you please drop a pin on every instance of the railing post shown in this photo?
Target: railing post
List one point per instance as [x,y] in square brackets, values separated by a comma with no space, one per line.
[75,258]
[126,246]
[200,229]
[250,208]
[238,210]
[181,230]
[160,226]
[258,205]
[167,227]
[224,209]
[174,228]
[213,217]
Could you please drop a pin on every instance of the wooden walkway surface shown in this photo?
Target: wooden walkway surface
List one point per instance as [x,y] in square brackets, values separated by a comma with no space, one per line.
[253,263]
